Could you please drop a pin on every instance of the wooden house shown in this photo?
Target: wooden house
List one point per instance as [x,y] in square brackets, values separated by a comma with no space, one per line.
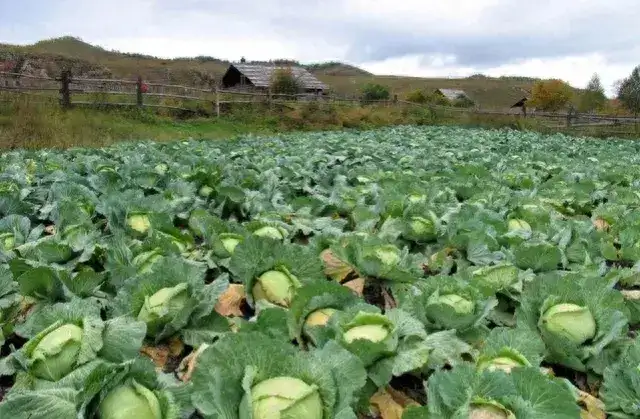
[243,76]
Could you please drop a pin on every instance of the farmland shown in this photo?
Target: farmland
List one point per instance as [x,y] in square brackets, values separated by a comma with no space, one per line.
[414,272]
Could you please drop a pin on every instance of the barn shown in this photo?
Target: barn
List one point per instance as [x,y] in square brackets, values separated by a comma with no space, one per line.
[244,76]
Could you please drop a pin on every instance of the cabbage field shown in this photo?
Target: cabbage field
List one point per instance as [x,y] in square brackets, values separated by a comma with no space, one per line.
[406,272]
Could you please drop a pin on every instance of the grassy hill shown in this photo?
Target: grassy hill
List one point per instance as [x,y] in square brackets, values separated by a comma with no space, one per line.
[51,56]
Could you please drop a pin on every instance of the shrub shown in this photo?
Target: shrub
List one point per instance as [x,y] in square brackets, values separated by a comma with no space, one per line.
[417,96]
[373,92]
[463,101]
[551,95]
[284,82]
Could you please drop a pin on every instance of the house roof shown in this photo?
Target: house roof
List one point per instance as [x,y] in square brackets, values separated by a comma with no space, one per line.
[499,97]
[260,75]
[453,94]
[517,97]
[520,103]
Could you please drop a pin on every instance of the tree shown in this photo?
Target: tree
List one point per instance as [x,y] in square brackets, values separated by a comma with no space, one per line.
[551,95]
[593,98]
[463,101]
[417,96]
[373,91]
[629,91]
[284,82]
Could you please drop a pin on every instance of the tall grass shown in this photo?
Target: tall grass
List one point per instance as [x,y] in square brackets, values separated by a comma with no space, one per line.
[37,122]
[32,122]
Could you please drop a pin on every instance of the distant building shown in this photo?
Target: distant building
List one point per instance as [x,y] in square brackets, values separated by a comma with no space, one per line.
[259,76]
[520,105]
[452,94]
[517,100]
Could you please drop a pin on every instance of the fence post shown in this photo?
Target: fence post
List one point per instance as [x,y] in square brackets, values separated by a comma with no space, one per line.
[139,98]
[570,116]
[217,102]
[65,92]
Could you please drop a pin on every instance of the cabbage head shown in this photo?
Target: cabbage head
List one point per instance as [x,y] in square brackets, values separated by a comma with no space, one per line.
[57,352]
[139,222]
[130,400]
[276,286]
[161,307]
[271,232]
[571,321]
[284,397]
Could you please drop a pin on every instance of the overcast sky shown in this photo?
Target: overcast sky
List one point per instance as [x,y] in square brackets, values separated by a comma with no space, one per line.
[567,39]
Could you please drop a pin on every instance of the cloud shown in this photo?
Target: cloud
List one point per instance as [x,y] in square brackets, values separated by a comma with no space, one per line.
[545,38]
[574,69]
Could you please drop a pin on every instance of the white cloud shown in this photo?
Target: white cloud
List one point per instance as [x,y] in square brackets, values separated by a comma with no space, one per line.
[418,65]
[576,70]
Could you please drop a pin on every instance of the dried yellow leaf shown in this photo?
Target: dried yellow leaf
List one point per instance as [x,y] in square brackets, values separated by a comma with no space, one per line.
[593,407]
[230,303]
[158,354]
[391,403]
[356,285]
[335,268]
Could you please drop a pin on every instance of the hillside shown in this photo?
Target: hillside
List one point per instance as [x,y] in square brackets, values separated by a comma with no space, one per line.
[49,57]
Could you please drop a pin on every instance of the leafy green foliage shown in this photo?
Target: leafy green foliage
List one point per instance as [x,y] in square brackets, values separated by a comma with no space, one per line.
[621,389]
[594,97]
[285,82]
[595,316]
[463,101]
[233,367]
[551,95]
[417,96]
[311,272]
[525,392]
[629,91]
[373,92]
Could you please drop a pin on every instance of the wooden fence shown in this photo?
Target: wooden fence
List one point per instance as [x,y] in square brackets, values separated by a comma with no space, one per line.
[71,91]
[139,93]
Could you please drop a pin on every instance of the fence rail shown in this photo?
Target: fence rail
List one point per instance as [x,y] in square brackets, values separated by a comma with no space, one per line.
[97,92]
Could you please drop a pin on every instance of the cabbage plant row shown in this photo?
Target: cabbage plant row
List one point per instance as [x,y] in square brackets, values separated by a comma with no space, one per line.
[481,274]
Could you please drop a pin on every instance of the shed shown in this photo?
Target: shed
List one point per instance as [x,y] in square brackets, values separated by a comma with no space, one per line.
[518,100]
[452,94]
[520,103]
[259,76]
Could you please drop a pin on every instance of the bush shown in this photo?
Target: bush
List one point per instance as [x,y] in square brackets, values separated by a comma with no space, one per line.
[284,82]
[417,96]
[593,98]
[440,100]
[629,91]
[420,115]
[373,92]
[463,101]
[551,95]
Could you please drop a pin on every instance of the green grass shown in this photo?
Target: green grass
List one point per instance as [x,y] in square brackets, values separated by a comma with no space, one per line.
[39,122]
[27,124]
